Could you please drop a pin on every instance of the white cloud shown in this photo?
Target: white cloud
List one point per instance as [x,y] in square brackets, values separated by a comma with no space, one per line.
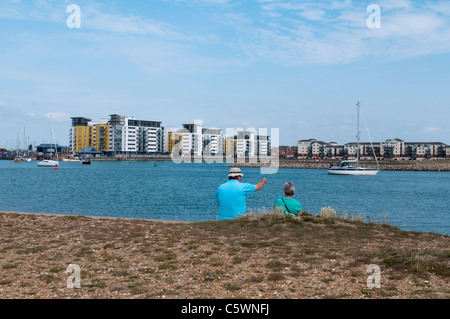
[58,116]
[280,32]
[431,129]
[394,4]
[342,35]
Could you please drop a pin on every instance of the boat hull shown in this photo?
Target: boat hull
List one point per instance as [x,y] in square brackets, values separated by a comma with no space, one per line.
[47,163]
[357,171]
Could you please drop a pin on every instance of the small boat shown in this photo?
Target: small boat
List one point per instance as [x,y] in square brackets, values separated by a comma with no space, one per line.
[25,159]
[48,163]
[17,160]
[347,167]
[86,160]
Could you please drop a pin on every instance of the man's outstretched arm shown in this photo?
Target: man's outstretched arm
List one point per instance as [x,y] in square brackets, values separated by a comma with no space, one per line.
[260,184]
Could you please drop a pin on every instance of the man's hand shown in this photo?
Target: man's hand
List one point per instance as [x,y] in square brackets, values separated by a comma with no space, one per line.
[260,184]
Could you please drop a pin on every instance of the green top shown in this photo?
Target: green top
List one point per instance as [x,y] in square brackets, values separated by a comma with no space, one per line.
[289,205]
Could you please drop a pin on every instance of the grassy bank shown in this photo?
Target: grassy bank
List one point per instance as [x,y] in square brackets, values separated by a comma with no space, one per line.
[267,256]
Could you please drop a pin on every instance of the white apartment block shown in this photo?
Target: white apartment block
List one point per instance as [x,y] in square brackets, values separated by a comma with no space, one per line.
[250,144]
[127,135]
[213,140]
[263,145]
[198,141]
[192,139]
[246,144]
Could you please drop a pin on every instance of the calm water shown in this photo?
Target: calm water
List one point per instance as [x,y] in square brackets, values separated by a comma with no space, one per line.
[417,201]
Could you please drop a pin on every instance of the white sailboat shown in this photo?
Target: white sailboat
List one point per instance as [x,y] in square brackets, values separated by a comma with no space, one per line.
[50,162]
[351,167]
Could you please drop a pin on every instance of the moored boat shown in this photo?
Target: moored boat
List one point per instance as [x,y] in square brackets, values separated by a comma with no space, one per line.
[86,160]
[48,163]
[347,167]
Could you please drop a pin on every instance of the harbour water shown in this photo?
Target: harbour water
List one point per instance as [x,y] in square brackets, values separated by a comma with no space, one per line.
[418,201]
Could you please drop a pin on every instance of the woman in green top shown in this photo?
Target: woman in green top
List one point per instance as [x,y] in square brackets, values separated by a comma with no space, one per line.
[286,204]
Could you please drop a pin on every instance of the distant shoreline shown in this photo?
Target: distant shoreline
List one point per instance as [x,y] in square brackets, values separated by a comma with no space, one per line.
[432,165]
[435,165]
[385,165]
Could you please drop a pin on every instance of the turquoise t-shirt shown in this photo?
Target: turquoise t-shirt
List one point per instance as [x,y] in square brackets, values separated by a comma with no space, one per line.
[231,197]
[293,205]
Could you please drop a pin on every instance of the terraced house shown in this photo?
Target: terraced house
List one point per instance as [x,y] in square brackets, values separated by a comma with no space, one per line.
[389,149]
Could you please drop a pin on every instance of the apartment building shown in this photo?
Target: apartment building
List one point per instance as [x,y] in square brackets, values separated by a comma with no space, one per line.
[192,140]
[263,146]
[118,135]
[171,138]
[314,148]
[175,142]
[230,146]
[389,149]
[246,144]
[213,142]
[128,135]
[87,133]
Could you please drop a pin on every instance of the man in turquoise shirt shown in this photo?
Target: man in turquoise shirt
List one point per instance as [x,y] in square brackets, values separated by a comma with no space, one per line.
[232,195]
[288,205]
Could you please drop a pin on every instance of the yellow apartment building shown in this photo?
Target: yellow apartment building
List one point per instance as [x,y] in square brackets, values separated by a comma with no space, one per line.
[175,140]
[230,146]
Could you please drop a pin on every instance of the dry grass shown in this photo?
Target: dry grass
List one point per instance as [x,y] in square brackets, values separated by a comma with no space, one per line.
[262,255]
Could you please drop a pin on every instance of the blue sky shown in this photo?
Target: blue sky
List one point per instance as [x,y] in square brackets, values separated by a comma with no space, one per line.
[299,66]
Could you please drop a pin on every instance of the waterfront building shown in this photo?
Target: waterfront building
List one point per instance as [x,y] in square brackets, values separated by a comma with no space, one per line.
[230,146]
[87,133]
[213,142]
[425,149]
[175,142]
[246,144]
[392,148]
[171,137]
[285,151]
[191,140]
[313,148]
[195,140]
[389,149]
[303,147]
[333,150]
[46,149]
[101,136]
[365,150]
[263,145]
[127,135]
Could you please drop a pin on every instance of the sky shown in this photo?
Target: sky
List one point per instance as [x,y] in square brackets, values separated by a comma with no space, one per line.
[299,66]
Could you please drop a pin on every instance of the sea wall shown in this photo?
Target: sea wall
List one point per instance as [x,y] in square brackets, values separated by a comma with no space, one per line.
[391,165]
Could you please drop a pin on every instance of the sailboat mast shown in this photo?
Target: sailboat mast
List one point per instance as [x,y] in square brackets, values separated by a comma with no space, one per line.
[357,136]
